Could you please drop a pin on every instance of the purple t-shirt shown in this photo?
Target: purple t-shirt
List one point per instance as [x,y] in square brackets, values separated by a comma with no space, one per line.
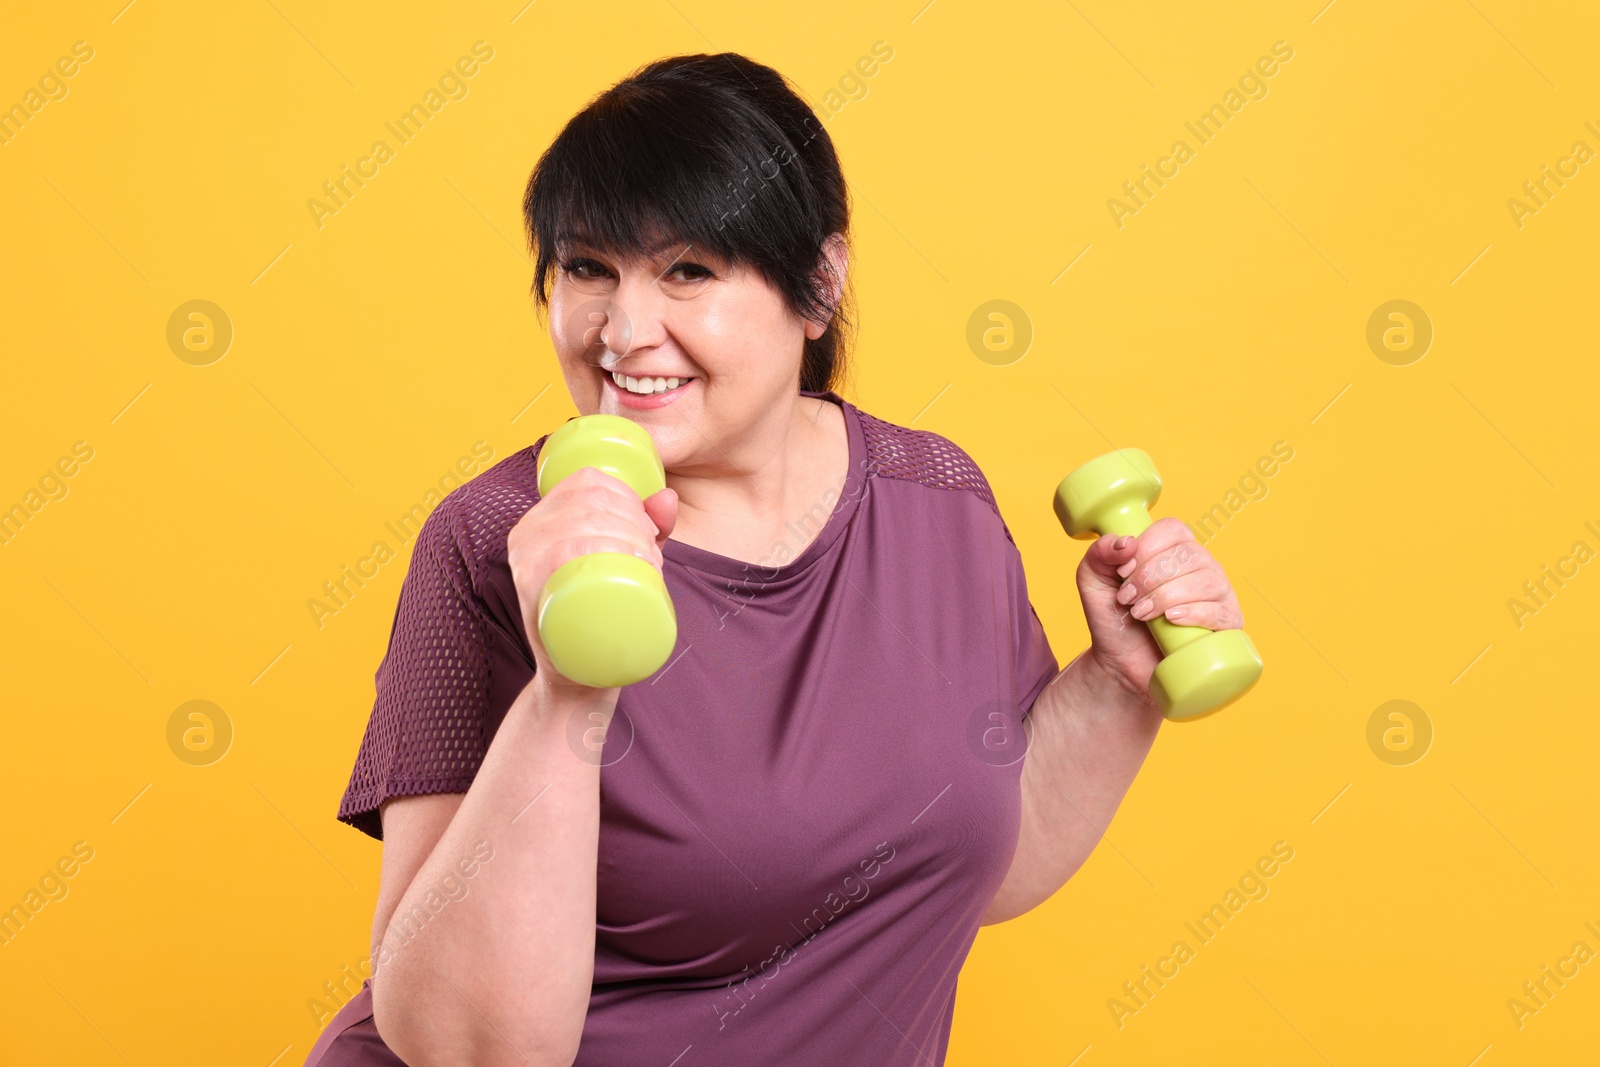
[805,813]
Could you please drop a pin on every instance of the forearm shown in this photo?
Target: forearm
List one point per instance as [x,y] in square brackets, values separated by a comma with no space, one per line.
[1090,735]
[501,972]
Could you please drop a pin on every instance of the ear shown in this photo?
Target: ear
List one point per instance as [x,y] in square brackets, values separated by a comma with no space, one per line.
[834,266]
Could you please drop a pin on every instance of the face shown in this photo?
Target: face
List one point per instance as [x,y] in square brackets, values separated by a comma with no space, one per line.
[721,330]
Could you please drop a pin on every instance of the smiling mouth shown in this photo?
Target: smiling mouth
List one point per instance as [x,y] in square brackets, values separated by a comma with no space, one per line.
[647,386]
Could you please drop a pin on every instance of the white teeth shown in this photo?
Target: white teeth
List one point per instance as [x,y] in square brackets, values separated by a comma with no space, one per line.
[646,386]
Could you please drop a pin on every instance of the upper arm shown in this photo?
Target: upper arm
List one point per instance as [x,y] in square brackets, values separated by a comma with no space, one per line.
[412,826]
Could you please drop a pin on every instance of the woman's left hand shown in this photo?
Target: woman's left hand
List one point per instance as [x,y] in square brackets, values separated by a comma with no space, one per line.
[1162,571]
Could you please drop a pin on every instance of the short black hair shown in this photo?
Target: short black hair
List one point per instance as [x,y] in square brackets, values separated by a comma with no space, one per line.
[717,151]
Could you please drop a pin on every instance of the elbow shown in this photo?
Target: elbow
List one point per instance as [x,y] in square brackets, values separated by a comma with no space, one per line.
[1015,900]
[1001,912]
[423,1027]
[1003,908]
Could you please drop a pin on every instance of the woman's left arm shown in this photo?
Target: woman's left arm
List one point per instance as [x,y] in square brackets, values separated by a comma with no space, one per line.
[1094,723]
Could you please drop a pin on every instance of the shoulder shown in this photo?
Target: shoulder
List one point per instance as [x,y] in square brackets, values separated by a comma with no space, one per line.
[922,457]
[470,524]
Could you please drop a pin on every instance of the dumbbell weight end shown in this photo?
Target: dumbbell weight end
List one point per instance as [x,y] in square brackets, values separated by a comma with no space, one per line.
[606,620]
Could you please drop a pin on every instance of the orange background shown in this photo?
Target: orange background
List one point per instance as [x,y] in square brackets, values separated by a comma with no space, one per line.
[1226,314]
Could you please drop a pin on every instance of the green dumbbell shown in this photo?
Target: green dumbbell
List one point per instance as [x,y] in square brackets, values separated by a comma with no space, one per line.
[606,618]
[1203,670]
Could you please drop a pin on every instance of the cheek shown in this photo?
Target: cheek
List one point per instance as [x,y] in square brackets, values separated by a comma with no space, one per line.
[719,335]
[715,327]
[575,323]
[566,327]
[740,334]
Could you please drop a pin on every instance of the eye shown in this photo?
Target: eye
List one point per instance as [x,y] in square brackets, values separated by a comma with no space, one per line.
[578,267]
[695,270]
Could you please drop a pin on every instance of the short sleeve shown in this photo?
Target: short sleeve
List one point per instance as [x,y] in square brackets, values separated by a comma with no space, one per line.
[1035,663]
[428,730]
[930,459]
[1032,661]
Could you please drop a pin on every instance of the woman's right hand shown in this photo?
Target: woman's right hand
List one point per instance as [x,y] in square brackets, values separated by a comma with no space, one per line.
[587,511]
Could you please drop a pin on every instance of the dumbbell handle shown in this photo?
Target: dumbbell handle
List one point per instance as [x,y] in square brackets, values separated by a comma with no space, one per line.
[1133,521]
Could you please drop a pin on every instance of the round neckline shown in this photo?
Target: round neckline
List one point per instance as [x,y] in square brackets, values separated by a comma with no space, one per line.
[703,560]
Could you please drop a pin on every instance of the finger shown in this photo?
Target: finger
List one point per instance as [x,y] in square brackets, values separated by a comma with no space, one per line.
[590,542]
[605,495]
[1149,574]
[1162,535]
[632,506]
[1105,556]
[589,477]
[1156,538]
[662,507]
[1185,590]
[601,515]
[1206,613]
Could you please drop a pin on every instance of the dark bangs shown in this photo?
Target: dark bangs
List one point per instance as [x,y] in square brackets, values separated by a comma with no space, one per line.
[712,151]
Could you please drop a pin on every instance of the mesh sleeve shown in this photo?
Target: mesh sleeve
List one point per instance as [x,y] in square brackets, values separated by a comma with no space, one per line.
[428,729]
[924,457]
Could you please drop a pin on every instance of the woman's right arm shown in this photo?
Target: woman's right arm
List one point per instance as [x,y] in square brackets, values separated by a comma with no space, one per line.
[501,972]
[485,922]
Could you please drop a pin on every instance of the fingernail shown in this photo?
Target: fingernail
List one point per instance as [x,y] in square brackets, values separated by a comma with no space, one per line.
[1127,568]
[1122,542]
[1176,613]
[1142,608]
[1127,593]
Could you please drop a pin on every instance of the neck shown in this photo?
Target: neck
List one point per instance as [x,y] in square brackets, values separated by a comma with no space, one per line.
[763,499]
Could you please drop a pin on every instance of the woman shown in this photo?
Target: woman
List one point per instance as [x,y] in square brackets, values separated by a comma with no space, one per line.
[780,847]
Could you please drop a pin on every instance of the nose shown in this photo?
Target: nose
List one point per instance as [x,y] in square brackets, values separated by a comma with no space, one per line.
[632,317]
